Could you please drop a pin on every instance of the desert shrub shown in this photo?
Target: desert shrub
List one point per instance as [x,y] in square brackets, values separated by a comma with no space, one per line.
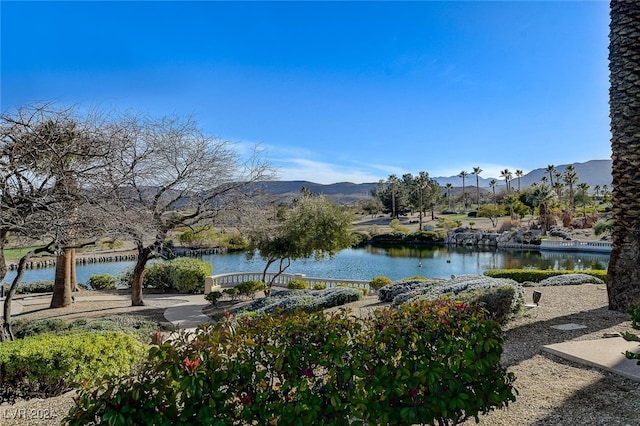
[213,297]
[379,282]
[25,328]
[249,288]
[498,301]
[493,293]
[319,286]
[570,279]
[42,286]
[137,326]
[397,227]
[297,285]
[537,275]
[307,300]
[49,365]
[102,282]
[364,291]
[432,363]
[508,225]
[414,278]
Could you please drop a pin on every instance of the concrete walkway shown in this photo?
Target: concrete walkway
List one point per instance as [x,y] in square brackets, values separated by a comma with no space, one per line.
[605,353]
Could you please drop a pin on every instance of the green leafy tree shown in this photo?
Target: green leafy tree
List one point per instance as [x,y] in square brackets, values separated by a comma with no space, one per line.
[313,227]
[492,211]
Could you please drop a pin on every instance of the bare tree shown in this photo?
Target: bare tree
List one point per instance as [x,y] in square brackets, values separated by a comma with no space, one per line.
[52,161]
[168,174]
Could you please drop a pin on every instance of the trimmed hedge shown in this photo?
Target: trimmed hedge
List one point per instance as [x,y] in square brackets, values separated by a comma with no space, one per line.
[537,275]
[49,365]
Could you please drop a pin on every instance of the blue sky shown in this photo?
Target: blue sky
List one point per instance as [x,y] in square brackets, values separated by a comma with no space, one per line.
[334,91]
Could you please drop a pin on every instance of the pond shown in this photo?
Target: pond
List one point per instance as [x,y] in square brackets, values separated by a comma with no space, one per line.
[370,261]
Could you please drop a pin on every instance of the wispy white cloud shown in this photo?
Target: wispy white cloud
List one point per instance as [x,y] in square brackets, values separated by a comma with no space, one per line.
[322,172]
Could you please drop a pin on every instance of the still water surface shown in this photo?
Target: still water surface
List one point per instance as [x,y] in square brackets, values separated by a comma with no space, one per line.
[368,262]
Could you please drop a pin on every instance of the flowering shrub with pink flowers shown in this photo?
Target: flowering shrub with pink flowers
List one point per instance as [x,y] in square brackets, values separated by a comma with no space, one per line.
[433,362]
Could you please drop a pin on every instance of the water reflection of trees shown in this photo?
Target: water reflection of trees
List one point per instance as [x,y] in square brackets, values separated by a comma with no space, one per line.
[497,258]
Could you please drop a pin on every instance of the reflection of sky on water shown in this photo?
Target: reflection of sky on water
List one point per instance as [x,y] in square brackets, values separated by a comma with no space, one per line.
[368,262]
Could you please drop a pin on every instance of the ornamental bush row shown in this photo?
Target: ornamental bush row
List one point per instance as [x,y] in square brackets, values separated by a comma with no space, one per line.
[48,365]
[537,275]
[429,362]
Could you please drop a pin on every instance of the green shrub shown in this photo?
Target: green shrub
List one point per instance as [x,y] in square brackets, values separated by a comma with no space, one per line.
[426,236]
[42,286]
[429,363]
[537,275]
[249,288]
[24,328]
[379,282]
[297,285]
[137,326]
[213,297]
[187,274]
[364,291]
[49,365]
[157,275]
[498,301]
[319,286]
[102,282]
[231,292]
[183,274]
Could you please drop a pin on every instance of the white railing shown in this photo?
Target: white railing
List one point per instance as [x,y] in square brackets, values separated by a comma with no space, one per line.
[576,245]
[235,278]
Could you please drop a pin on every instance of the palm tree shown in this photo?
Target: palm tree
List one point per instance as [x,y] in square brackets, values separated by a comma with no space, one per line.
[477,171]
[507,175]
[519,174]
[449,186]
[393,184]
[542,196]
[583,187]
[570,177]
[463,174]
[492,184]
[596,191]
[551,169]
[623,276]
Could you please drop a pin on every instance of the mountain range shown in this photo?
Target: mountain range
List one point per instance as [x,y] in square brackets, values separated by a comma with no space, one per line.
[594,172]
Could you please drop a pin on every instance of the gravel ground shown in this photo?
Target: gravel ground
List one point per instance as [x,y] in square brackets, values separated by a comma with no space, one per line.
[551,391]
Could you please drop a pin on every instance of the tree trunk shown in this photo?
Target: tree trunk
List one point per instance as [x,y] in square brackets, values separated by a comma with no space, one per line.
[138,273]
[62,284]
[72,266]
[623,277]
